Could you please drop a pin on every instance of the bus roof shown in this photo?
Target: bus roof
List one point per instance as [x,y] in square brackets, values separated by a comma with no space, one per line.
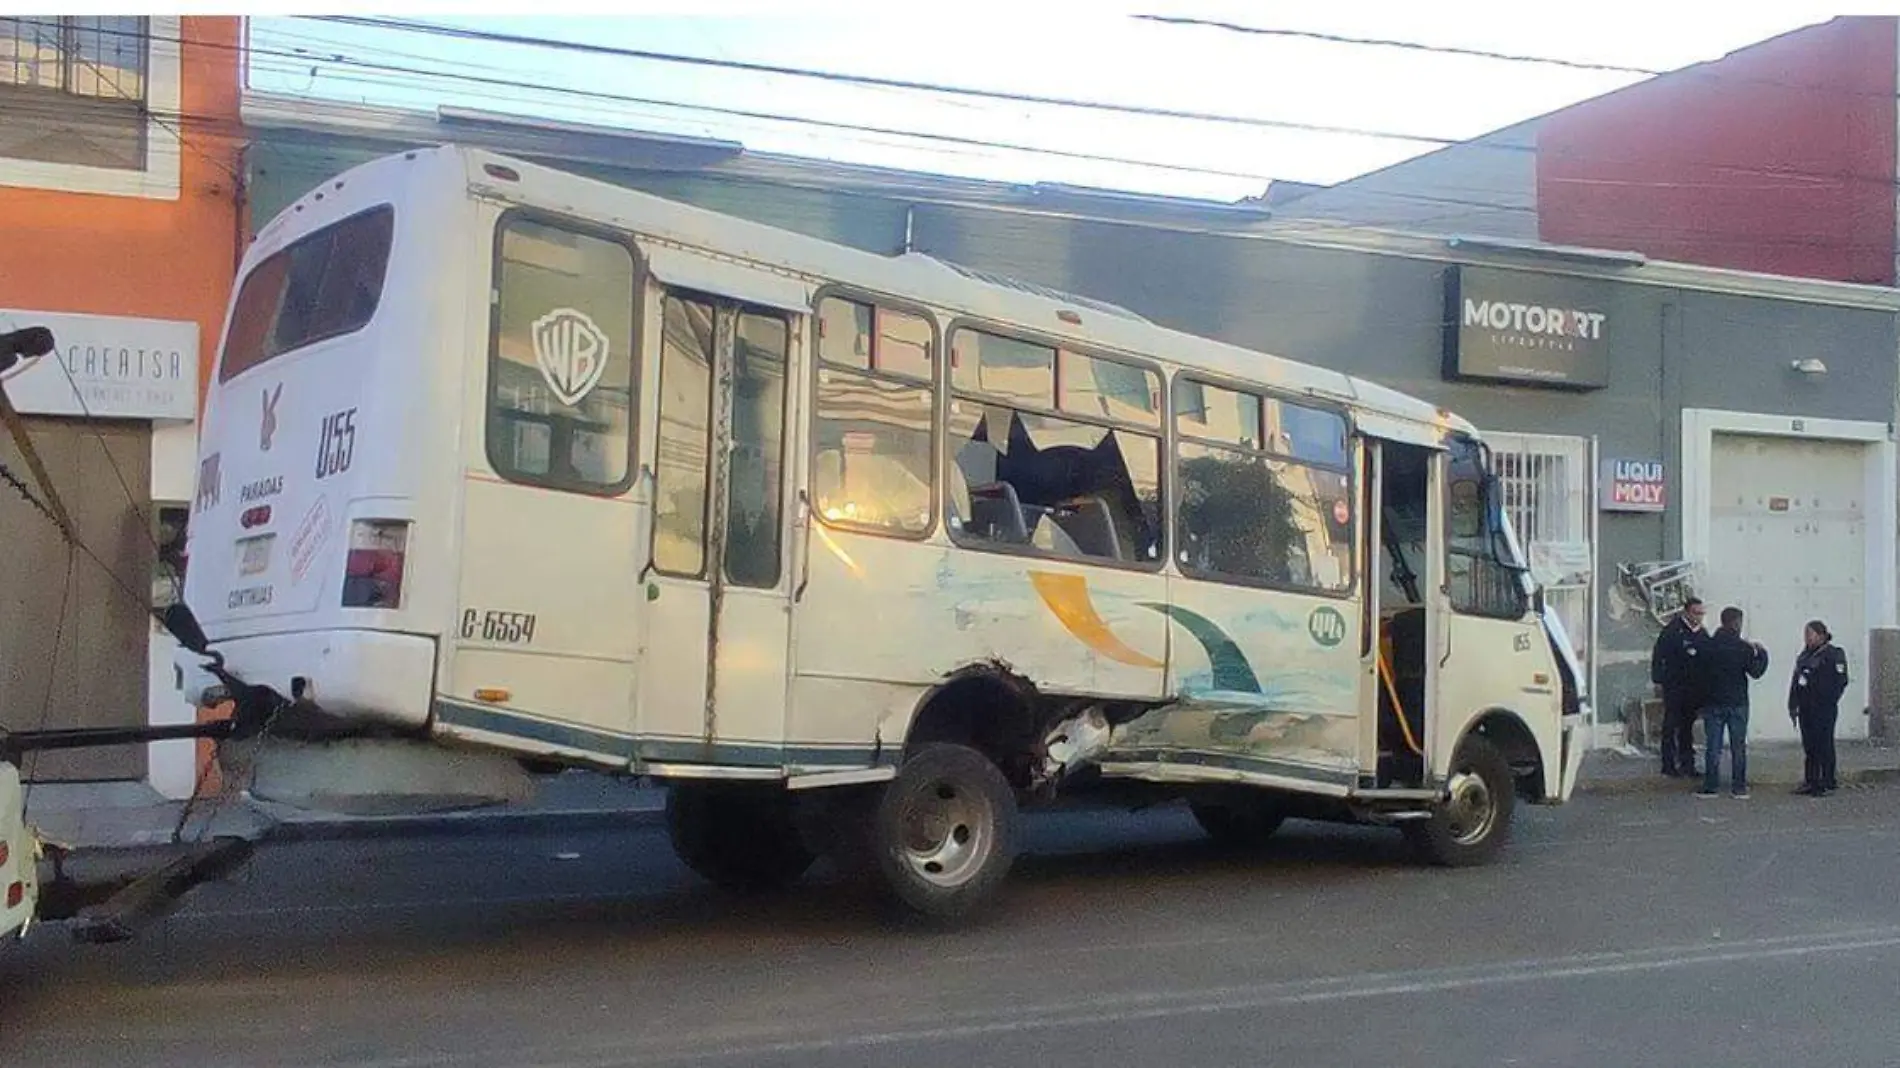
[923,279]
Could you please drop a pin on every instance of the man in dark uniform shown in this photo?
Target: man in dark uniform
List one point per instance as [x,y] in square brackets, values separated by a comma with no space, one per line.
[1673,667]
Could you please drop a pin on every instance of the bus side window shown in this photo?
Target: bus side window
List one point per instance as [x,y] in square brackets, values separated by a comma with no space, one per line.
[1265,497]
[756,463]
[680,467]
[875,428]
[560,377]
[1054,451]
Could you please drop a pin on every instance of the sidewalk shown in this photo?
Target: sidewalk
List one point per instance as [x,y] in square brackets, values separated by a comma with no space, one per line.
[120,815]
[1771,765]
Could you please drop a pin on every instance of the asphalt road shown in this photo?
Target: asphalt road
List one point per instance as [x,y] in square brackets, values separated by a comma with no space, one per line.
[1657,930]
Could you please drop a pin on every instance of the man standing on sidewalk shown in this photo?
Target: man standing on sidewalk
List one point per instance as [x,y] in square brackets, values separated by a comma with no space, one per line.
[1728,662]
[1673,668]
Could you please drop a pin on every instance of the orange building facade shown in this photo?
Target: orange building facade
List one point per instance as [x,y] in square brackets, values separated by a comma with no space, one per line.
[120,227]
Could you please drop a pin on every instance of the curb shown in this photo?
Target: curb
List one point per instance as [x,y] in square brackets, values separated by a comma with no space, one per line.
[452,823]
[1656,784]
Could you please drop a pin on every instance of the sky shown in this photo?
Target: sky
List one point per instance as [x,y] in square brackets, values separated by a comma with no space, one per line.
[1094,51]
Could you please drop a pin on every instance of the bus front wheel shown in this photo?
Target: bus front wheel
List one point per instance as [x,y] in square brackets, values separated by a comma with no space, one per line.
[944,831]
[740,839]
[1472,823]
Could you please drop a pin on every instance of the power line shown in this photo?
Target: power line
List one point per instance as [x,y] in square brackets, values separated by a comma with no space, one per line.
[1388,42]
[743,113]
[1697,71]
[235,128]
[1374,222]
[515,86]
[463,33]
[145,111]
[491,37]
[583,47]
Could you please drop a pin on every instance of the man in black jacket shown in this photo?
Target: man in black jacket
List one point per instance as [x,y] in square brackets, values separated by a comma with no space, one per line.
[1672,667]
[1728,662]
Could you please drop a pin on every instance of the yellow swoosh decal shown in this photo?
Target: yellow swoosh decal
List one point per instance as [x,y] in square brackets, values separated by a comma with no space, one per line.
[1068,597]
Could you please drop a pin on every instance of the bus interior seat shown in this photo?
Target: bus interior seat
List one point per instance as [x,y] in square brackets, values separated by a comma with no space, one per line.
[959,494]
[1050,536]
[997,513]
[977,460]
[1091,526]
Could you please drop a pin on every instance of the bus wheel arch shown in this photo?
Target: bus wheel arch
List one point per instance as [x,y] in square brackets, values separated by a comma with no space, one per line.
[1512,737]
[987,707]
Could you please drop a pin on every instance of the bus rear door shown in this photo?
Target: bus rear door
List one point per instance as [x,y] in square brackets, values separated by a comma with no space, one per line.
[718,583]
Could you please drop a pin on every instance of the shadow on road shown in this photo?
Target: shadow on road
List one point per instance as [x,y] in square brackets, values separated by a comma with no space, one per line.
[483,903]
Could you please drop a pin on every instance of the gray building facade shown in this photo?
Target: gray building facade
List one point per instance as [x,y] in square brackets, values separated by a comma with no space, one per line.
[1731,434]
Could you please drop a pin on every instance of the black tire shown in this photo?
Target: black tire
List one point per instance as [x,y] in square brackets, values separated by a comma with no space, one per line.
[944,833]
[1239,823]
[1472,826]
[740,839]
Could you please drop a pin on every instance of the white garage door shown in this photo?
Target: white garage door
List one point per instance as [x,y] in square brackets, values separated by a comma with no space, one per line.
[1788,543]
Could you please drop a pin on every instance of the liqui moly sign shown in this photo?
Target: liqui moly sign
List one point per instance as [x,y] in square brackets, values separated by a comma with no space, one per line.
[1527,329]
[1632,486]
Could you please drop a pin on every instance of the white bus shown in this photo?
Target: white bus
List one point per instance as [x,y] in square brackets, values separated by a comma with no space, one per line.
[857,553]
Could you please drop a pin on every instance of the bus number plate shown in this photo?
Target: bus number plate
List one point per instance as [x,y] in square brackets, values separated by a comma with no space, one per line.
[254,554]
[505,628]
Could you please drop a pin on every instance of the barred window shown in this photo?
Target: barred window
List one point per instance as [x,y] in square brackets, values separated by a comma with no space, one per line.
[73,89]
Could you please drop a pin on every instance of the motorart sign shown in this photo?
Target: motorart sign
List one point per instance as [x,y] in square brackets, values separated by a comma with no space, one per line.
[1527,329]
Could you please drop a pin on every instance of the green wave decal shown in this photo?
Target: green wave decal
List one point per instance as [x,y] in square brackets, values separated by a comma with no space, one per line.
[1232,672]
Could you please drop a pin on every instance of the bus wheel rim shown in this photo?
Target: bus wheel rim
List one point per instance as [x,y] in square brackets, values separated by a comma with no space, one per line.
[1469,811]
[949,831]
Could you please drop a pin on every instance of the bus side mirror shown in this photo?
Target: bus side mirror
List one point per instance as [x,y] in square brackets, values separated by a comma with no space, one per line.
[1501,551]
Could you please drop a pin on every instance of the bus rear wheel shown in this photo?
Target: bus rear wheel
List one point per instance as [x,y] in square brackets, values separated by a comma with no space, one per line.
[1471,825]
[944,832]
[739,839]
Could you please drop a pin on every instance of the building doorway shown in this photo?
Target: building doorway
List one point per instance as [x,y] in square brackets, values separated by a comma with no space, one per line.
[73,644]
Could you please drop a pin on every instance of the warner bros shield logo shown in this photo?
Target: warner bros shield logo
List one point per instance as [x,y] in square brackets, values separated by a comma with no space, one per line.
[571,352]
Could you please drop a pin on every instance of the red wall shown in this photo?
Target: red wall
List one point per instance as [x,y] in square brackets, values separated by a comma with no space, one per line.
[1778,158]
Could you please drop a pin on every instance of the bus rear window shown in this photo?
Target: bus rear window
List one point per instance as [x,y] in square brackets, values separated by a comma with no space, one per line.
[324,285]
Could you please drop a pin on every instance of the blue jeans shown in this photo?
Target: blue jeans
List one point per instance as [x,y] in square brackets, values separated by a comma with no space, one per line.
[1734,720]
